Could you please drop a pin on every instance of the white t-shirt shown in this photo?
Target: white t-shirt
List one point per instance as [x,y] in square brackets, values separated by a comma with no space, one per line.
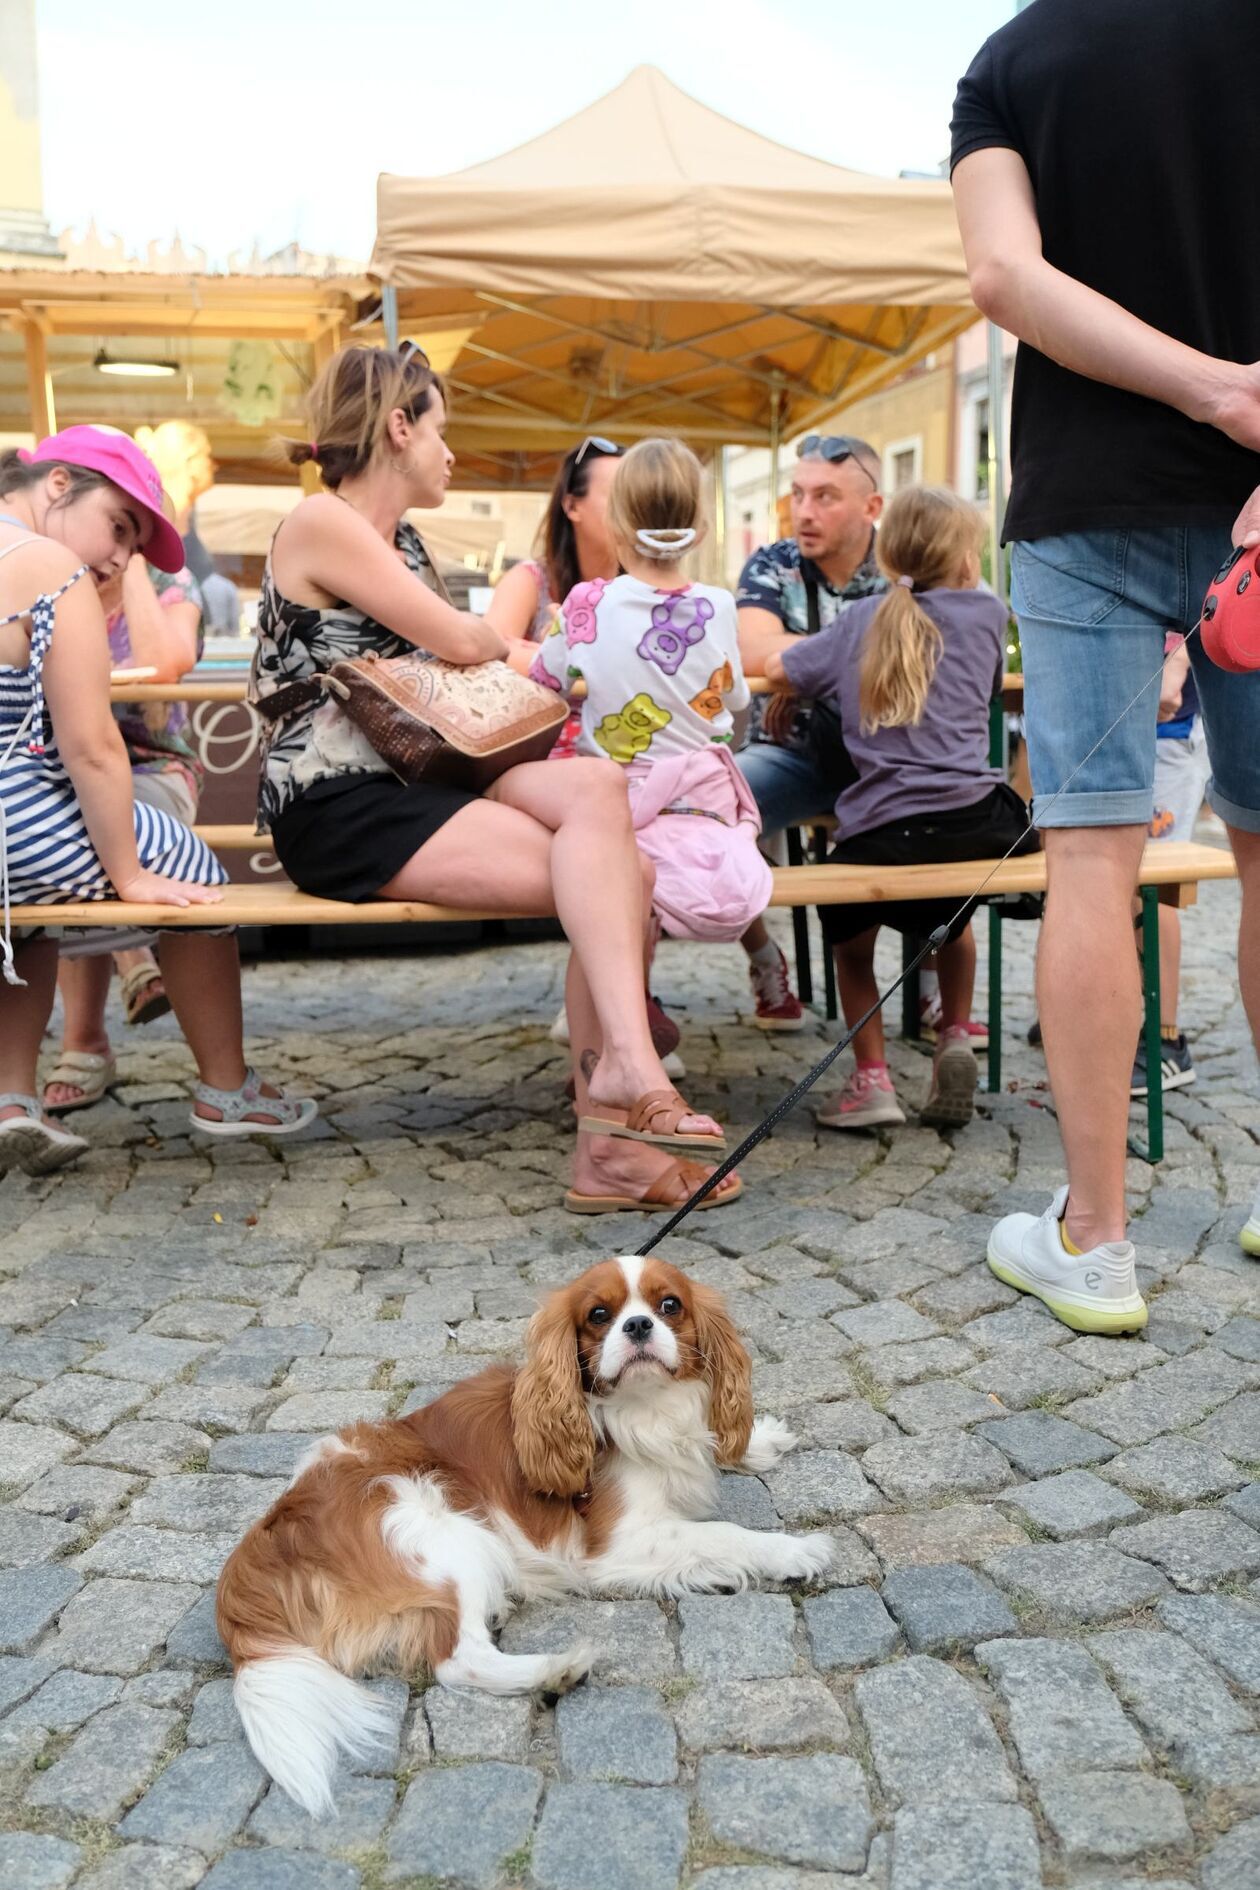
[661,667]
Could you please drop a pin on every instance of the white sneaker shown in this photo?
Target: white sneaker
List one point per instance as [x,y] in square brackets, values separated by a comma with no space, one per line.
[1249,1238]
[560,1029]
[1091,1292]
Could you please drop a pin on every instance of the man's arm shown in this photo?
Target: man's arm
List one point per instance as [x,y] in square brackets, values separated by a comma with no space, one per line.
[760,632]
[1014,285]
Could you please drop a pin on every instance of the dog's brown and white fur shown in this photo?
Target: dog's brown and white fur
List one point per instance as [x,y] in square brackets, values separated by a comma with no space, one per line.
[594,1468]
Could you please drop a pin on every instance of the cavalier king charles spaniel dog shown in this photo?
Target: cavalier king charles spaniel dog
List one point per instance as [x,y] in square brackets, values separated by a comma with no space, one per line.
[592,1469]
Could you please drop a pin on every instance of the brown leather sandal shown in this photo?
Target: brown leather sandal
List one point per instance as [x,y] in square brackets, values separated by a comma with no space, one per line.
[653,1118]
[659,1195]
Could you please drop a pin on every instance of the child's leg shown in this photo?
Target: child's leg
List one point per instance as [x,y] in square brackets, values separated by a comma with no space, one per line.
[957,963]
[855,981]
[24,1014]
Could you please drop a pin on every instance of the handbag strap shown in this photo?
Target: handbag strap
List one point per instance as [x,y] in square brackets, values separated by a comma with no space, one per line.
[813,610]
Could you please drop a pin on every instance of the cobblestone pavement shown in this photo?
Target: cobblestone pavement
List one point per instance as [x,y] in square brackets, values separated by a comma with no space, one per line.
[1039,1656]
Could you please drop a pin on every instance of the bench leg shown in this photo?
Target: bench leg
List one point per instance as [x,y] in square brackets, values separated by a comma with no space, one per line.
[1154,1150]
[800,924]
[995,999]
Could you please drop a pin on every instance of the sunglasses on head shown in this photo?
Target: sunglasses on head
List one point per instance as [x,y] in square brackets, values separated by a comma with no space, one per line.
[411,351]
[835,448]
[602,448]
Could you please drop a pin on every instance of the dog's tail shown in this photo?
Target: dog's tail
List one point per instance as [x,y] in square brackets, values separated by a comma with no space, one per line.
[298,1713]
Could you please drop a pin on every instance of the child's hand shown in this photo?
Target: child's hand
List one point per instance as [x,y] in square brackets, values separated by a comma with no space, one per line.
[776,720]
[156,889]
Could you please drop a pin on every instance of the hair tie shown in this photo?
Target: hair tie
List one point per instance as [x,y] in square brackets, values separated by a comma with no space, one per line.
[905,583]
[314,447]
[666,543]
[26,456]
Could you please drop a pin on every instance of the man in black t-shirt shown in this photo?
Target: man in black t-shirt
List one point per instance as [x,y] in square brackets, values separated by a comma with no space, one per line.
[1105,160]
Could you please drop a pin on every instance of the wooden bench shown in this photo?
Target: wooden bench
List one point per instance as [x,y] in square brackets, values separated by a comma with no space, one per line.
[1171,872]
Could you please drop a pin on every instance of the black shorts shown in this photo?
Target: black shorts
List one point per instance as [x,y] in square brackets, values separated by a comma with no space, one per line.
[984,831]
[346,838]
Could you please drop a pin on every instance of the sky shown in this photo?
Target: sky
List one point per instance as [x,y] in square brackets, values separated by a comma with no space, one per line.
[243,121]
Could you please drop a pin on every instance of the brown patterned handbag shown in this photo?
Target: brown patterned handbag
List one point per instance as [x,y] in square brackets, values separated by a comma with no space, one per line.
[436,721]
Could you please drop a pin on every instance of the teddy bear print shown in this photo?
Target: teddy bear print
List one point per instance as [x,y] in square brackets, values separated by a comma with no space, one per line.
[579,610]
[628,734]
[709,702]
[672,634]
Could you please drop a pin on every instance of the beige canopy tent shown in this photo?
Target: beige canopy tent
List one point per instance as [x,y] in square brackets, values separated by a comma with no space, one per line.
[649,264]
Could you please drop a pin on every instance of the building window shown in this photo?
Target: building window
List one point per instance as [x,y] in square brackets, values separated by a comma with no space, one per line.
[903,463]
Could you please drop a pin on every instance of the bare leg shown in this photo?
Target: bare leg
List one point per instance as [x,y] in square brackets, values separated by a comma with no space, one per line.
[855,981]
[755,937]
[24,1014]
[956,966]
[1247,854]
[1090,1004]
[84,987]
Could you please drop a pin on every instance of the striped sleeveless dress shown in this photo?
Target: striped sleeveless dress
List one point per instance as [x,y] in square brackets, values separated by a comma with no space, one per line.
[46,855]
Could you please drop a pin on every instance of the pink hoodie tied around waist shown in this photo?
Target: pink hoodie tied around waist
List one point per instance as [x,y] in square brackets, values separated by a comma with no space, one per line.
[711,882]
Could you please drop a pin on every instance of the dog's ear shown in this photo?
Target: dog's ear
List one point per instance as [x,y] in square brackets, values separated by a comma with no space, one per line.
[728,1369]
[554,1437]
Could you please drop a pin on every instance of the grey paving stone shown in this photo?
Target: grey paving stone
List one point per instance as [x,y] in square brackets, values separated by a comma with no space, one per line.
[965,1297]
[146,1360]
[149,1447]
[1093,1820]
[29,1861]
[211,1407]
[201,1800]
[66,1700]
[1241,1338]
[77,1491]
[945,1607]
[849,1627]
[1171,1690]
[940,1405]
[1197,1547]
[913,1361]
[959,1532]
[214,1715]
[195,1636]
[1227,1631]
[477,1726]
[785,1877]
[27,1540]
[328,1410]
[849,1424]
[204,1319]
[1175,1470]
[40,1358]
[461,1821]
[82,1402]
[610,1837]
[812,1810]
[1062,1715]
[146,1867]
[364,1808]
[1235,1428]
[116,1626]
[280,1870]
[27,1450]
[19,1678]
[1020,1375]
[631,1638]
[1065,1583]
[1225,1769]
[171,1686]
[1038,1443]
[30,1600]
[1073,1504]
[1246,1504]
[162,1554]
[203,1502]
[961,1847]
[816,1485]
[106,1763]
[921,1470]
[1234,1860]
[1172,1397]
[269,1454]
[930,1736]
[1025,1323]
[761,1715]
[777,1388]
[283,1341]
[808,1298]
[617,1734]
[746,1501]
[888,1321]
[739,1637]
[1113,1358]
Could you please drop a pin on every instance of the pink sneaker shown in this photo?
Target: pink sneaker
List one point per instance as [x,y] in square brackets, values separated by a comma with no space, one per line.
[977,1033]
[778,1007]
[951,1097]
[867,1100]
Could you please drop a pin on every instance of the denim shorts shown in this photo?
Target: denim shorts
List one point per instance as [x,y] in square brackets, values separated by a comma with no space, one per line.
[1093,610]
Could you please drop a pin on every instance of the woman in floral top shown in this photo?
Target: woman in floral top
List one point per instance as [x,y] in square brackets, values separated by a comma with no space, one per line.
[154,622]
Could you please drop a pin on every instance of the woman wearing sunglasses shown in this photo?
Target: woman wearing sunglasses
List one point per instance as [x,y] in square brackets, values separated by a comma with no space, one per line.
[347,576]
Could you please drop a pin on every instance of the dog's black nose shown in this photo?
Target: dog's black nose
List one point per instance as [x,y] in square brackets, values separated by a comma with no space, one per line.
[638,1329]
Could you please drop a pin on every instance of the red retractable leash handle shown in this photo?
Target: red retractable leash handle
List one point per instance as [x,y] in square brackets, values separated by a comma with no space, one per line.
[1231,613]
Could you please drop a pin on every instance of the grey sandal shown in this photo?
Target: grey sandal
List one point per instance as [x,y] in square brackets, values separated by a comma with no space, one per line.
[289,1115]
[30,1143]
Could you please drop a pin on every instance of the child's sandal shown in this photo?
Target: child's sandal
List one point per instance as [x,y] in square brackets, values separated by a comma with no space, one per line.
[247,1111]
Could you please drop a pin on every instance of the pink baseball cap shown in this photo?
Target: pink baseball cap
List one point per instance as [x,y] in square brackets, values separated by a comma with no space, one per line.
[133,472]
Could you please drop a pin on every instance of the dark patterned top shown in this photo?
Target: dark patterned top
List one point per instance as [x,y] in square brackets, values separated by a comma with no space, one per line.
[295,642]
[774,579]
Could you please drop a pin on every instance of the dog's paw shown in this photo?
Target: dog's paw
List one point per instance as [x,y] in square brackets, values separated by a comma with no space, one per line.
[770,1440]
[808,1556]
[570,1668]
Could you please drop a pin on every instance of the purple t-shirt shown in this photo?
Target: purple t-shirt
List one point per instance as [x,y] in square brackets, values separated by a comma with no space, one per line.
[943,761]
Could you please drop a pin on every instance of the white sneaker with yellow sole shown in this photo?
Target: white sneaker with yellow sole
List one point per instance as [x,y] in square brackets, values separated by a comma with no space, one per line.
[1091,1292]
[1249,1238]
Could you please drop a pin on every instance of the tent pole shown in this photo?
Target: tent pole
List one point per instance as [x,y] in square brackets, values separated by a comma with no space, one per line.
[774,466]
[389,313]
[997,459]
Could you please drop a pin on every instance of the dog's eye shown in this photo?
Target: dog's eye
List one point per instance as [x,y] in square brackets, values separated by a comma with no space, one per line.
[598,1316]
[671,1305]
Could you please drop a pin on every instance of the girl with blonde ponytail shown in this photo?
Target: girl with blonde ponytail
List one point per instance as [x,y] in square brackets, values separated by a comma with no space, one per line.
[911,674]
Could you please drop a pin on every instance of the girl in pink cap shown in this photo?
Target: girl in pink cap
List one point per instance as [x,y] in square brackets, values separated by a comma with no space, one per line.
[77,507]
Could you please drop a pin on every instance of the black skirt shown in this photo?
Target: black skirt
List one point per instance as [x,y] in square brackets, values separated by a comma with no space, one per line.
[984,831]
[346,838]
